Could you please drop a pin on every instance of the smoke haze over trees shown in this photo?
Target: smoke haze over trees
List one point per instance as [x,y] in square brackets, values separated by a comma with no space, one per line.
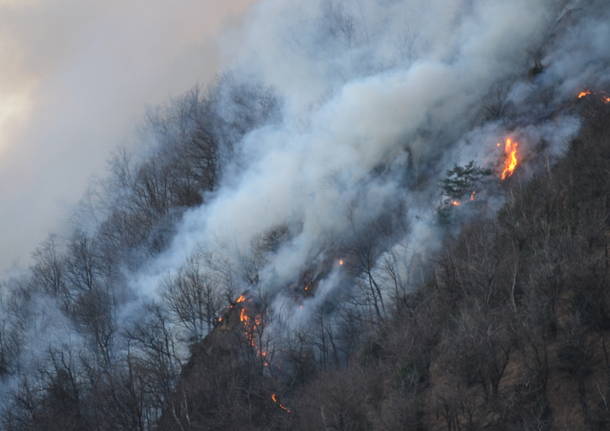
[383,214]
[76,80]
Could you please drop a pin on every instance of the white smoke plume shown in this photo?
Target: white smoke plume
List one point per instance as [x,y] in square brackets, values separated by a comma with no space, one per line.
[377,100]
[372,83]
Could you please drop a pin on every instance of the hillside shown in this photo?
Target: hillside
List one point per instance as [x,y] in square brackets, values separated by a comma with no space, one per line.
[382,215]
[511,331]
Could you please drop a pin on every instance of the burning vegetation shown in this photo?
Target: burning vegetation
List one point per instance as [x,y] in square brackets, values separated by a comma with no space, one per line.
[511,158]
[463,184]
[276,400]
[484,342]
[252,325]
[603,96]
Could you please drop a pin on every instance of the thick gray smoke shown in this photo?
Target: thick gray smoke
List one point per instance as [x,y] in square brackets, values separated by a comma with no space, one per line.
[378,99]
[363,84]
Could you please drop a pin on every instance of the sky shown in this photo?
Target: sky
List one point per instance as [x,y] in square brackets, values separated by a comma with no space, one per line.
[77,78]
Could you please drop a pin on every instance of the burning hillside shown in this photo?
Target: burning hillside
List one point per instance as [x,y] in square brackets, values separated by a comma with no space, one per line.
[368,222]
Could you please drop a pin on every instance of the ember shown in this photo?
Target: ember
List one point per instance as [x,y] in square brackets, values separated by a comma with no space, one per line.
[280,405]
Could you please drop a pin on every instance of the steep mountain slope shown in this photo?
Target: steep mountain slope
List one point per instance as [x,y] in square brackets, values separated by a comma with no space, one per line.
[511,331]
[386,214]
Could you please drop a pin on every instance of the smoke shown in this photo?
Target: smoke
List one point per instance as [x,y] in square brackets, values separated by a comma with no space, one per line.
[377,100]
[364,85]
[77,76]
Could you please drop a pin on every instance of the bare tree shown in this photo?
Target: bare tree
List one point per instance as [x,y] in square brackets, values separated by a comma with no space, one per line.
[192,298]
[49,269]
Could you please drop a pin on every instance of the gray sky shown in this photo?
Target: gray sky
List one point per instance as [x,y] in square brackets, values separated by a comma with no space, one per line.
[76,79]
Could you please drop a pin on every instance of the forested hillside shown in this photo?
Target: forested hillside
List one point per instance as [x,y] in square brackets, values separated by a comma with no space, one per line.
[383,215]
[510,330]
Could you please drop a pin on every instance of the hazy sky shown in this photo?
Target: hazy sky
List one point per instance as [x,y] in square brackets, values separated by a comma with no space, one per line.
[76,79]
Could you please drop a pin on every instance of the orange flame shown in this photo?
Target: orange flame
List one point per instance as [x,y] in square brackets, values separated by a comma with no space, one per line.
[603,96]
[250,326]
[280,405]
[341,262]
[455,203]
[511,149]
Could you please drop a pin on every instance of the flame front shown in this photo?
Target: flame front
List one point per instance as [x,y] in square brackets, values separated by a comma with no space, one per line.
[280,405]
[603,95]
[252,327]
[511,161]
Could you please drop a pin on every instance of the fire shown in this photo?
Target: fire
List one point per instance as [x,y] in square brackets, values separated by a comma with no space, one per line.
[511,151]
[341,262]
[455,203]
[473,196]
[603,96]
[280,405]
[251,326]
